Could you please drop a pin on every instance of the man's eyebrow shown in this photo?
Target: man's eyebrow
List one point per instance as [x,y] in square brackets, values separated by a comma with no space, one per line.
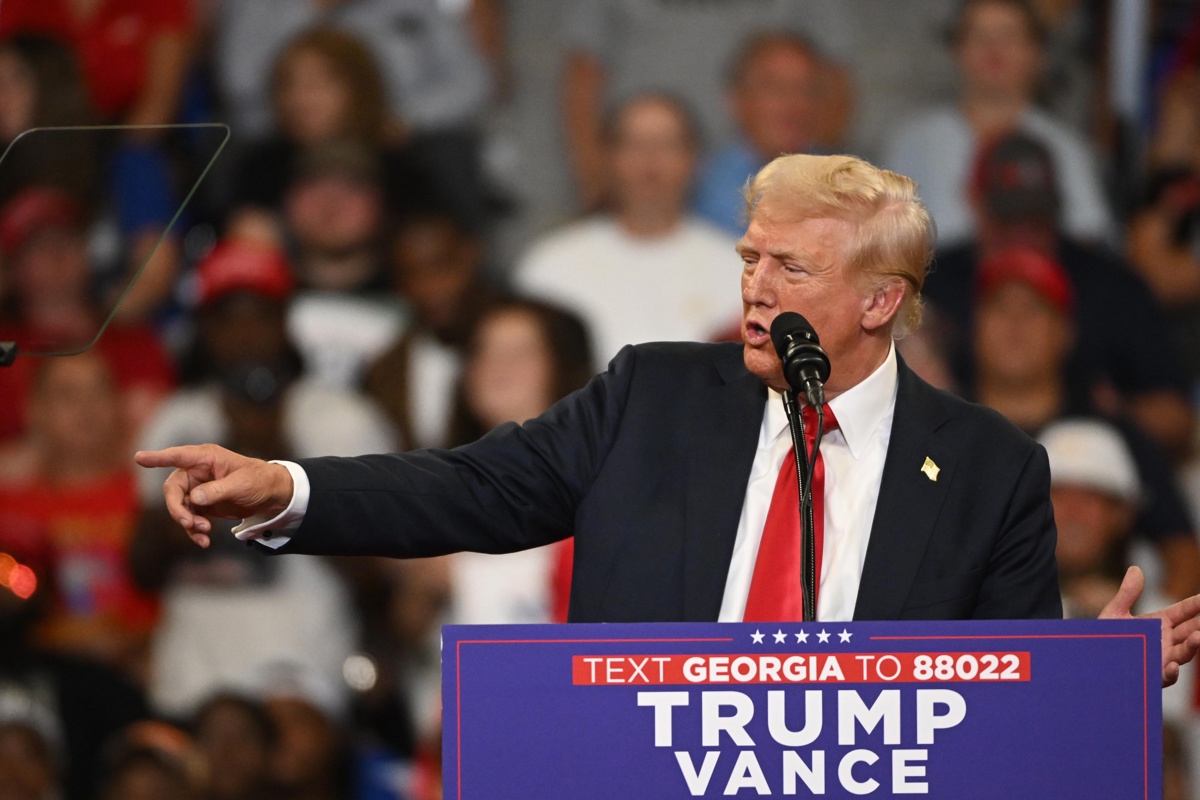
[789,255]
[782,255]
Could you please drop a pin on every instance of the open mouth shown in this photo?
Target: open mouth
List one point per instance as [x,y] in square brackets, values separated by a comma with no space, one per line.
[755,333]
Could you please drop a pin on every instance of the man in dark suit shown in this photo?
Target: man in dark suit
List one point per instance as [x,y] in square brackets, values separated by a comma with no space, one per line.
[935,508]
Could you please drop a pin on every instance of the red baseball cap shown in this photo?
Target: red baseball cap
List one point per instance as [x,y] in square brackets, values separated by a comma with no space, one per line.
[243,266]
[33,210]
[1031,267]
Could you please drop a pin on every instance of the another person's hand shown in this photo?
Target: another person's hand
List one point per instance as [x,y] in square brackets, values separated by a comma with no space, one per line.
[210,481]
[1180,626]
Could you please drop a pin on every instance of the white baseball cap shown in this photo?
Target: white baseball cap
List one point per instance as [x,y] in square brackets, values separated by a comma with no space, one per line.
[1092,454]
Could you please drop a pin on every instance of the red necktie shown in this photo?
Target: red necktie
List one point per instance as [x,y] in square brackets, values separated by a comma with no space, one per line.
[775,591]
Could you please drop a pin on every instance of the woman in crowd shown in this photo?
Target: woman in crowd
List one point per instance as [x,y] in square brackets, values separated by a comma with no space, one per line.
[524,356]
[1000,49]
[326,90]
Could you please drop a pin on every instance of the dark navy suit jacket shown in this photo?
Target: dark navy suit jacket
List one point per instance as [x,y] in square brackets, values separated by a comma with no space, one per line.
[647,467]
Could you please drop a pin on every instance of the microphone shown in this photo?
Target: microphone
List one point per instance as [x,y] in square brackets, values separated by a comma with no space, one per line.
[805,365]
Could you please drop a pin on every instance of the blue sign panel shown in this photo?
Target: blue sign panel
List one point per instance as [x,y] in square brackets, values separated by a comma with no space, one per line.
[986,709]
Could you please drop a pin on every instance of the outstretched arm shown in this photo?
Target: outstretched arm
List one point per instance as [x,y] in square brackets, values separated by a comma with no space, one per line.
[1180,625]
[210,481]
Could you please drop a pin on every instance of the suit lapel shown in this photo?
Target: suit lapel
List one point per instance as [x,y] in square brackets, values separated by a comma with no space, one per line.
[909,500]
[719,460]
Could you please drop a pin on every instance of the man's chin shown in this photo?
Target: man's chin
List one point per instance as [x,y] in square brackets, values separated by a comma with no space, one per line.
[765,366]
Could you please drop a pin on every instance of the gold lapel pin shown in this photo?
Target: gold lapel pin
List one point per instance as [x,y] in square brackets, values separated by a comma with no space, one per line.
[930,469]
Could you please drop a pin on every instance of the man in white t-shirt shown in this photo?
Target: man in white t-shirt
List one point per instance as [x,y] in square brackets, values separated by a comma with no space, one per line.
[615,49]
[646,270]
[999,46]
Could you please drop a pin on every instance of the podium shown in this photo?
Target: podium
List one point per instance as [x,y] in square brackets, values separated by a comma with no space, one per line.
[981,709]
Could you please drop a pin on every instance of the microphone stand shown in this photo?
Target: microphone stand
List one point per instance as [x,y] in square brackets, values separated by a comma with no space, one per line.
[810,571]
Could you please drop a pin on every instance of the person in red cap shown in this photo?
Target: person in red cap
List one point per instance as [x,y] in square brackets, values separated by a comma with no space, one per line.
[250,267]
[1022,339]
[47,281]
[246,386]
[1122,346]
[48,304]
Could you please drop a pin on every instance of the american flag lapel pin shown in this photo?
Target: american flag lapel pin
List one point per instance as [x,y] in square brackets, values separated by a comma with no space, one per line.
[930,469]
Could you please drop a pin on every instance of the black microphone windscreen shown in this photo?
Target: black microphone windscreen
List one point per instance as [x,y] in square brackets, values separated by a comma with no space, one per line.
[786,326]
[804,363]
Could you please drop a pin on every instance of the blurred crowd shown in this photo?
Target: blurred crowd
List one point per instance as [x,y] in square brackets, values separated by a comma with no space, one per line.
[313,227]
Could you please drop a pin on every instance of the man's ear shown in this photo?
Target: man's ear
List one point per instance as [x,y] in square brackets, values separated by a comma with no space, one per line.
[882,304]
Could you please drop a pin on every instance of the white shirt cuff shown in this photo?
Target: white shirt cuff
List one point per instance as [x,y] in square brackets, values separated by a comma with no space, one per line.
[273,531]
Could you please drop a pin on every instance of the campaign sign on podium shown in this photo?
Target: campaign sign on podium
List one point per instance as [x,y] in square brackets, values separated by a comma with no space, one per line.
[987,709]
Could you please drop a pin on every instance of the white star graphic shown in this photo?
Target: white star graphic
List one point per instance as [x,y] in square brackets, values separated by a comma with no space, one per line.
[780,637]
[757,636]
[802,637]
[822,637]
[845,635]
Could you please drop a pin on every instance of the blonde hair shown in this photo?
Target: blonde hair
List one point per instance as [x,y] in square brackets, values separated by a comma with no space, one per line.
[894,235]
[355,67]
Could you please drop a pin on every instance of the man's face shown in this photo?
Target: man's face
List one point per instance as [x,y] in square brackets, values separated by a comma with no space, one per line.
[1089,524]
[1019,335]
[435,266]
[244,327]
[652,158]
[53,262]
[801,266]
[774,100]
[334,215]
[77,408]
[997,52]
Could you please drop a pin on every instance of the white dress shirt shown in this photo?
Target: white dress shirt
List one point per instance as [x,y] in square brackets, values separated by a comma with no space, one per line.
[854,454]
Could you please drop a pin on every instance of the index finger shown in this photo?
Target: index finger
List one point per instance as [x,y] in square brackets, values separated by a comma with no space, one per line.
[183,457]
